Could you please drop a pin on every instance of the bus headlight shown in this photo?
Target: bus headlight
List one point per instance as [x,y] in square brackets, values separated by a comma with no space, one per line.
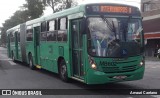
[93,66]
[141,63]
[92,63]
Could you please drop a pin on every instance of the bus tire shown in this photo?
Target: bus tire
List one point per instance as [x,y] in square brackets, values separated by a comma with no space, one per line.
[63,71]
[31,65]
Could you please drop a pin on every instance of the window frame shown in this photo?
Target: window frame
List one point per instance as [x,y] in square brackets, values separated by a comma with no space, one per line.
[43,26]
[43,31]
[29,30]
[60,30]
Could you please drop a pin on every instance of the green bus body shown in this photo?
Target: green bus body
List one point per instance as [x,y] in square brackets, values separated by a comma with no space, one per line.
[63,38]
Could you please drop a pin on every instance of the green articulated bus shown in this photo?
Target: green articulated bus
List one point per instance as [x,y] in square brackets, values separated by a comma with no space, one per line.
[92,43]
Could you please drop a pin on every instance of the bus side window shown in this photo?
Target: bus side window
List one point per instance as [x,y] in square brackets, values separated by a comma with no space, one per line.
[62,30]
[43,34]
[52,25]
[29,35]
[43,27]
[52,33]
[52,36]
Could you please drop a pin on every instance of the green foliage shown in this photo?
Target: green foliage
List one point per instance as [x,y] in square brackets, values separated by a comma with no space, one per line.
[69,3]
[35,8]
[31,10]
[51,3]
[17,18]
[58,5]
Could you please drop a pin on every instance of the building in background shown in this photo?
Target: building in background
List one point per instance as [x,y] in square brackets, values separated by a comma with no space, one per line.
[151,23]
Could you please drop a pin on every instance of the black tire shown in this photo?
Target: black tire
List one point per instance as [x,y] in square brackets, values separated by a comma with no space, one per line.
[31,65]
[63,71]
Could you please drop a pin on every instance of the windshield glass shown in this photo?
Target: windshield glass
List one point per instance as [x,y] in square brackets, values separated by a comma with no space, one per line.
[114,37]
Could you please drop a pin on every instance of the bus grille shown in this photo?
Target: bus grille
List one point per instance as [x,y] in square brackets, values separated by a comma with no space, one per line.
[115,69]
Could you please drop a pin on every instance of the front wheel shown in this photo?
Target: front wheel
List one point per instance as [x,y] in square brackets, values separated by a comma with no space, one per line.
[63,71]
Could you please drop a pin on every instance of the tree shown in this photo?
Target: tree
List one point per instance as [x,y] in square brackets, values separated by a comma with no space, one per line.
[34,7]
[17,18]
[69,3]
[51,3]
[3,36]
[58,5]
[31,10]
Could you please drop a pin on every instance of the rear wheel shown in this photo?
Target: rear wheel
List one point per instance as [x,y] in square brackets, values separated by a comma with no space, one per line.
[63,71]
[31,65]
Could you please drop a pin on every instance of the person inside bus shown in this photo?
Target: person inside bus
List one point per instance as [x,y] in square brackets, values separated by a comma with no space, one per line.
[101,40]
[99,43]
[103,46]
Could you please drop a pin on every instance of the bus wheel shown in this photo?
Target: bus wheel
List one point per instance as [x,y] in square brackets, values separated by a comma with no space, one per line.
[63,71]
[31,65]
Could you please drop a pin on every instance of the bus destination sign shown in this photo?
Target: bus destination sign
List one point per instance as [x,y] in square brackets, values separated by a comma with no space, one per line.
[112,9]
[115,9]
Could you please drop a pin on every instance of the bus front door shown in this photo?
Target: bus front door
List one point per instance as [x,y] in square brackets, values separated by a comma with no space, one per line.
[77,61]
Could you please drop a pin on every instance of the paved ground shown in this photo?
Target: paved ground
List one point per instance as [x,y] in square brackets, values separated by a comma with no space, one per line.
[19,76]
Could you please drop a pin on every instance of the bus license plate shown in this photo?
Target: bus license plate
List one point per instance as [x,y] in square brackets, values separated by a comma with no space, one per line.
[120,77]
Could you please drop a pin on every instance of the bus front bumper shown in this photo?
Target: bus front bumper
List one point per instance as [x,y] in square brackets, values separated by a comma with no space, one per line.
[97,77]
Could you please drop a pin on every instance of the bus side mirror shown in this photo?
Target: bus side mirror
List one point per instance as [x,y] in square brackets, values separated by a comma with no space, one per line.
[83,26]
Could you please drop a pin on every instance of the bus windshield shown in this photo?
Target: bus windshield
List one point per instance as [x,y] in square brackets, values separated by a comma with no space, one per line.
[114,37]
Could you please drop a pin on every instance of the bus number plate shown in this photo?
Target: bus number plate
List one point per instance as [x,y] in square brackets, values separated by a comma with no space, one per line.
[120,77]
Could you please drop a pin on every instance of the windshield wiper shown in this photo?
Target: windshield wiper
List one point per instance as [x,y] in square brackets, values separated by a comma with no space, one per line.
[110,25]
[114,30]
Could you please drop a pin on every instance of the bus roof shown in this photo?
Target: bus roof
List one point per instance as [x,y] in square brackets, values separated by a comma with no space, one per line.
[56,15]
[78,9]
[73,10]
[34,21]
[12,29]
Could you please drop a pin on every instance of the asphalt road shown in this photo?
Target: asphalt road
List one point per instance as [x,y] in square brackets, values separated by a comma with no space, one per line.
[19,76]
